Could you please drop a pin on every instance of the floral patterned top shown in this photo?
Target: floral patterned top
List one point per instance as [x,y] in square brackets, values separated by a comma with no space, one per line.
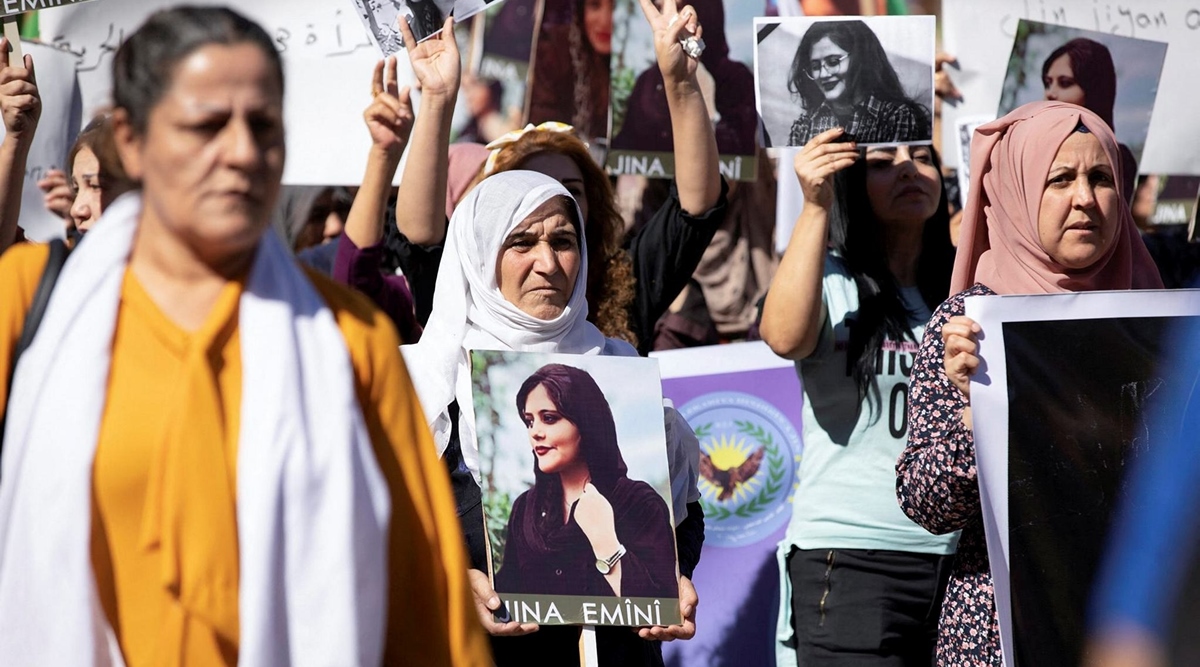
[937,488]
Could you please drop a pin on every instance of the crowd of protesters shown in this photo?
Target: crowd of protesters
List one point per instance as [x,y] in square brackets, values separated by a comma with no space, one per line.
[233,428]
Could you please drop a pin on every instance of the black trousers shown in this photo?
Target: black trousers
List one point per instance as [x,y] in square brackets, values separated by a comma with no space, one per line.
[873,608]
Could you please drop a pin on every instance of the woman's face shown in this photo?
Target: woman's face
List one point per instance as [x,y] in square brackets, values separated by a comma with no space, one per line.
[903,184]
[211,156]
[85,180]
[564,170]
[829,67]
[1078,219]
[598,24]
[554,439]
[1060,82]
[539,261]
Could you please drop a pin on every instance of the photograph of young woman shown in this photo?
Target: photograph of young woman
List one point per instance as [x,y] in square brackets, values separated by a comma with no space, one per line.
[585,527]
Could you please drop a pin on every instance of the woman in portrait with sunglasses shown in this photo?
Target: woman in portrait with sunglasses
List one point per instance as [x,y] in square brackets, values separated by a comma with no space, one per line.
[843,79]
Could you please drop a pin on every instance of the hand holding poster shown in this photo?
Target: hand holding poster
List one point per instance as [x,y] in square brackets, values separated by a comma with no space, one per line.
[872,76]
[1059,411]
[56,130]
[577,494]
[425,18]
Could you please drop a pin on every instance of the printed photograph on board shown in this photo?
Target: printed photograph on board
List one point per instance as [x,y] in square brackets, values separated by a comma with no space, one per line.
[872,76]
[642,142]
[571,67]
[576,489]
[425,17]
[1113,76]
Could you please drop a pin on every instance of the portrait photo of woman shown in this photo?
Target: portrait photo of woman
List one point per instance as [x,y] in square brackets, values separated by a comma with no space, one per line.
[839,74]
[584,527]
[1080,67]
[571,67]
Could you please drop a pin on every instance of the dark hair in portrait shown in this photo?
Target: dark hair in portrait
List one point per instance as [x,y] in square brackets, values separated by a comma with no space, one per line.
[869,73]
[855,233]
[145,62]
[1093,69]
[580,401]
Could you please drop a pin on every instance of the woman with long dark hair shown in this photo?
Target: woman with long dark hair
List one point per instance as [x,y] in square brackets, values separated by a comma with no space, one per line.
[843,78]
[582,507]
[869,259]
[1082,72]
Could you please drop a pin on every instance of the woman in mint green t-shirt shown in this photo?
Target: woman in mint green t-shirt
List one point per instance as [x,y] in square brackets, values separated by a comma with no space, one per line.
[869,259]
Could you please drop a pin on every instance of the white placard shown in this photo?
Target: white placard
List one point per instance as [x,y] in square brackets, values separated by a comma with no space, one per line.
[980,34]
[56,132]
[990,399]
[328,58]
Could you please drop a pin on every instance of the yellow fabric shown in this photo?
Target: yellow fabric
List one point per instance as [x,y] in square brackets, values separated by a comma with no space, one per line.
[164,532]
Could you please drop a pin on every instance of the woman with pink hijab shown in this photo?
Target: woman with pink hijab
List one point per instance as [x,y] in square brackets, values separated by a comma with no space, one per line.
[1045,215]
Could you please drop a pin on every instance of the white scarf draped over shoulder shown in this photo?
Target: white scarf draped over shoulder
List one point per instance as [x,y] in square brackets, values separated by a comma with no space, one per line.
[470,312]
[312,506]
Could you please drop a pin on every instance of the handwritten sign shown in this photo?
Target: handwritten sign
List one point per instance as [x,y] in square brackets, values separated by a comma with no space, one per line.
[980,33]
[328,58]
[15,7]
[56,132]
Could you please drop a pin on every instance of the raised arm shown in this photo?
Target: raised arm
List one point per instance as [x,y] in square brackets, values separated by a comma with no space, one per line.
[389,120]
[697,172]
[435,62]
[794,309]
[21,107]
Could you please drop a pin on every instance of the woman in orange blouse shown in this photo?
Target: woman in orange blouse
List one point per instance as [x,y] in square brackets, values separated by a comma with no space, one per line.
[210,457]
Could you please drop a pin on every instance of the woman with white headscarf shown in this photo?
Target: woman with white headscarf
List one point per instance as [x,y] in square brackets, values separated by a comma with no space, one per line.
[507,281]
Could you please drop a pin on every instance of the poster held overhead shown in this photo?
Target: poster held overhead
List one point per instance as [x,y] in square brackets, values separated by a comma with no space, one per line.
[56,132]
[872,76]
[642,140]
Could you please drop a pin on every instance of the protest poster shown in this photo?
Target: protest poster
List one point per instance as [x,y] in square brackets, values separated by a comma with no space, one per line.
[328,59]
[980,34]
[570,73]
[1060,408]
[741,399]
[966,129]
[806,82]
[11,8]
[381,18]
[1175,199]
[1114,76]
[496,92]
[546,425]
[642,142]
[55,134]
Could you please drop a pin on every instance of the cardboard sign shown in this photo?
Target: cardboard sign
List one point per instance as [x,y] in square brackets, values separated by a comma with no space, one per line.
[549,425]
[1051,454]
[328,58]
[55,134]
[980,34]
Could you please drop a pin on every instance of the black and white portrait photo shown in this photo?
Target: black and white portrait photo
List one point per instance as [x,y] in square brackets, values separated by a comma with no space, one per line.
[381,17]
[872,76]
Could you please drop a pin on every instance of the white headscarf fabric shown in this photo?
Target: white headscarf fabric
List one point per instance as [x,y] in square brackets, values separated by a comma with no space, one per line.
[470,312]
[312,505]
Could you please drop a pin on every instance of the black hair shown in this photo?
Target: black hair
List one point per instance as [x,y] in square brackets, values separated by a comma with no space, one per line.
[869,71]
[855,234]
[144,64]
[580,401]
[1093,69]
